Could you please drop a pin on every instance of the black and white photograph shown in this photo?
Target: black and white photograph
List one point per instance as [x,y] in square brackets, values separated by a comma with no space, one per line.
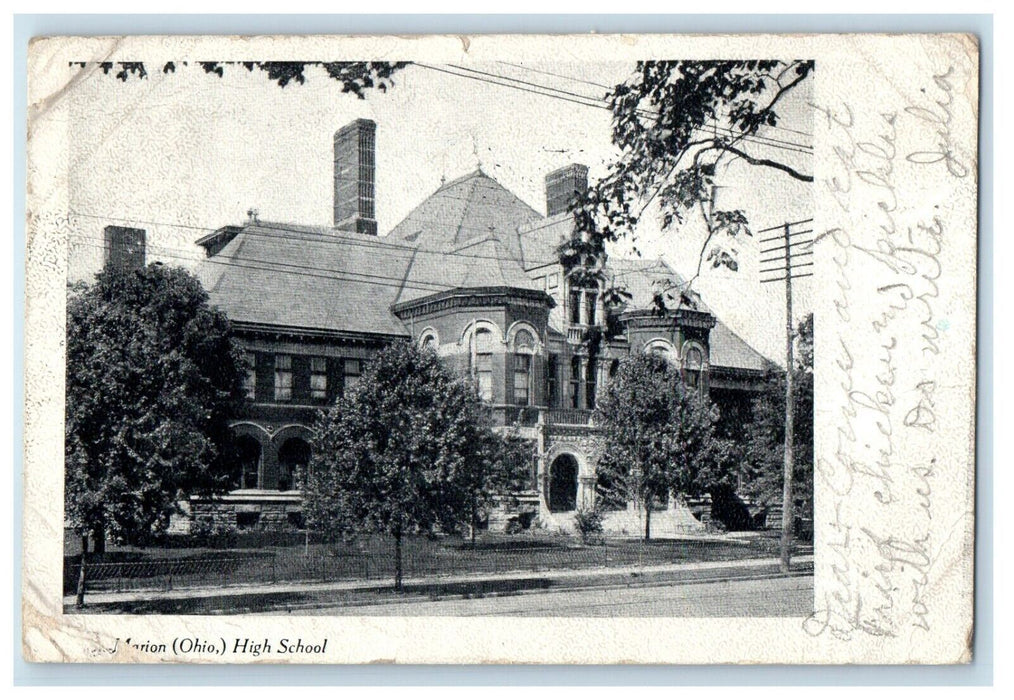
[487,337]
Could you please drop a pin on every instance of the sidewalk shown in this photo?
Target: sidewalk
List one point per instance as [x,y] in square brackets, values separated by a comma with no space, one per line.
[296,594]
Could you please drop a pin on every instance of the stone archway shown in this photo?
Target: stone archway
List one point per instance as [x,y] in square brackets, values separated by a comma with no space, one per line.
[563,483]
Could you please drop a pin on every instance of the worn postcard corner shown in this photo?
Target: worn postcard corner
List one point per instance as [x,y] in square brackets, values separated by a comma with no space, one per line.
[530,349]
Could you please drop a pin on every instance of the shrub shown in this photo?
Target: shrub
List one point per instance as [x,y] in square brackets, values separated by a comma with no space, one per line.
[588,522]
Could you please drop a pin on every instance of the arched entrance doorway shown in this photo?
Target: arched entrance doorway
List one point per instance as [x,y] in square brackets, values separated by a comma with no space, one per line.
[248,462]
[293,456]
[563,484]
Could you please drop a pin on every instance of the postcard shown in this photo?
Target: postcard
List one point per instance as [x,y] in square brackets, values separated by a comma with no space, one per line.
[501,349]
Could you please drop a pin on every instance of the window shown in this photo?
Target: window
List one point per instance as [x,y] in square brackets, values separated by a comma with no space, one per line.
[522,377]
[552,397]
[283,377]
[540,282]
[352,372]
[553,281]
[693,366]
[482,347]
[574,300]
[245,521]
[662,349]
[589,307]
[250,378]
[524,348]
[318,378]
[429,342]
[590,371]
[575,382]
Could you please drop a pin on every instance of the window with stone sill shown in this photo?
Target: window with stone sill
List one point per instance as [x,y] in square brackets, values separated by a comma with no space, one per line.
[590,299]
[318,379]
[250,376]
[574,300]
[352,371]
[283,377]
[524,348]
[575,382]
[482,362]
[693,367]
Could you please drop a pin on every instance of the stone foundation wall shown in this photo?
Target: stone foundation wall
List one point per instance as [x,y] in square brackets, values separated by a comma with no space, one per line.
[250,515]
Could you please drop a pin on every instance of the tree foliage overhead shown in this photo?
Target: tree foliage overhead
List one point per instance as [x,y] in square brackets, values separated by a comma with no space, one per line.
[659,437]
[152,376]
[355,77]
[676,123]
[764,447]
[411,449]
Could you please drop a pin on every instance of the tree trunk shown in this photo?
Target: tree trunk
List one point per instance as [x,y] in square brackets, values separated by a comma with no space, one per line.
[475,521]
[99,540]
[647,520]
[397,559]
[81,572]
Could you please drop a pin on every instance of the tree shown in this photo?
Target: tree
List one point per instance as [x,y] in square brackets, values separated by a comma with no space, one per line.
[411,449]
[676,124]
[659,437]
[355,77]
[764,445]
[152,375]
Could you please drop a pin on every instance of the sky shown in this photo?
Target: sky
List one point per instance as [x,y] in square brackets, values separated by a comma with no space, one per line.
[185,153]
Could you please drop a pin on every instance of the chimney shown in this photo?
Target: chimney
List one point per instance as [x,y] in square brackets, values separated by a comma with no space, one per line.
[354,177]
[563,185]
[124,248]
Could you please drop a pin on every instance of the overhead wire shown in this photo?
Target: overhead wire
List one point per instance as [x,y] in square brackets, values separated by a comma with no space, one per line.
[590,101]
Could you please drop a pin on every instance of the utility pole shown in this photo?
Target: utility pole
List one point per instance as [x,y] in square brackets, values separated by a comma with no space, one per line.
[785,266]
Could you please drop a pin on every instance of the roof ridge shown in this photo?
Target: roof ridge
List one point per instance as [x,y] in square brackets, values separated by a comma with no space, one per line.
[458,180]
[464,214]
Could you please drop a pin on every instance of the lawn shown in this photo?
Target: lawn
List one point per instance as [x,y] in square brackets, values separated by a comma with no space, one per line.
[372,558]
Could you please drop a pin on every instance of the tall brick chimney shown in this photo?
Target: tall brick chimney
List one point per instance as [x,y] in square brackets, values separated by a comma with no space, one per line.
[563,185]
[355,177]
[123,248]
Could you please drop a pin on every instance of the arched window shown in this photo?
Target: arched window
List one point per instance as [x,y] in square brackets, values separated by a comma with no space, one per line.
[693,366]
[662,348]
[428,341]
[524,349]
[482,362]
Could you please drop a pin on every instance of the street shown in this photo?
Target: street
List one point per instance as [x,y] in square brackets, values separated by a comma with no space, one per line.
[745,598]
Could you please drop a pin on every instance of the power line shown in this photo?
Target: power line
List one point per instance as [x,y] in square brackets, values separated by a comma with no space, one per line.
[586,101]
[601,103]
[612,87]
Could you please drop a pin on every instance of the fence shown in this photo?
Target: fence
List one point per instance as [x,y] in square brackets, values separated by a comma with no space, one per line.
[421,558]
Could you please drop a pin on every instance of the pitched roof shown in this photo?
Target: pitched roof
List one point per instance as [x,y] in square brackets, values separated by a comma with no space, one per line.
[487,263]
[472,232]
[466,210]
[307,277]
[540,240]
[729,350]
[642,279]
